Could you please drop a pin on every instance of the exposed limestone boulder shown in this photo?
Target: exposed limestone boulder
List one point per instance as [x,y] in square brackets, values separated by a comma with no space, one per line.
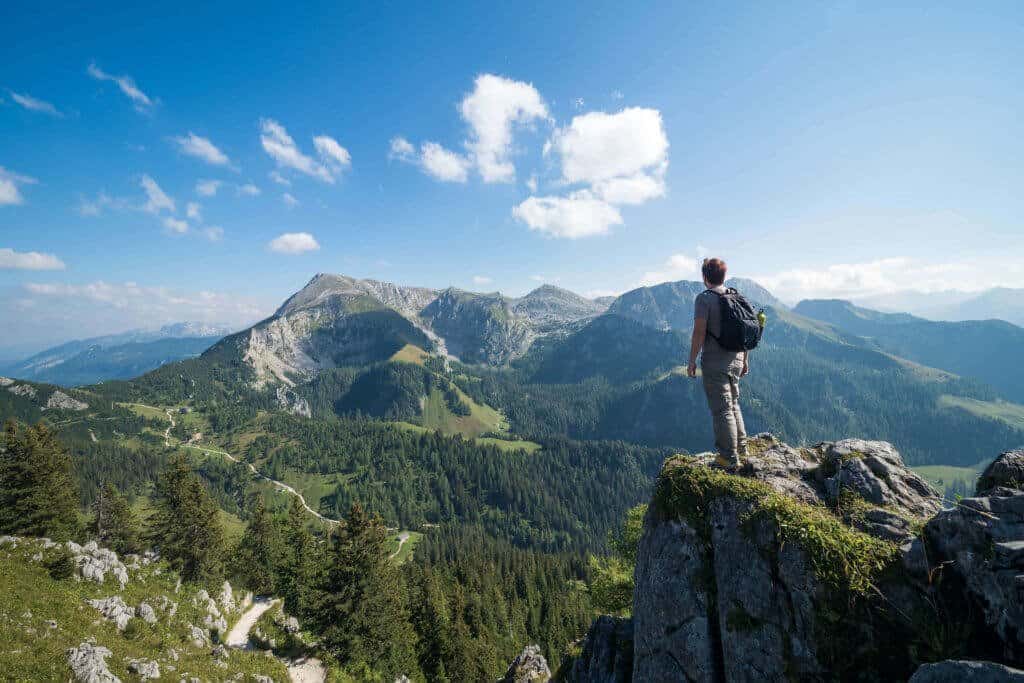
[528,667]
[147,613]
[1006,471]
[198,636]
[26,390]
[957,671]
[227,598]
[94,563]
[60,401]
[114,609]
[607,655]
[88,663]
[145,669]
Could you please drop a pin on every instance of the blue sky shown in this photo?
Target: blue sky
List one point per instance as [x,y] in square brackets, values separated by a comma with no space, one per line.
[841,149]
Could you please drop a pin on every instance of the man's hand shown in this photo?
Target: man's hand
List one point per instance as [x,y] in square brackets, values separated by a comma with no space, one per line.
[746,368]
[691,369]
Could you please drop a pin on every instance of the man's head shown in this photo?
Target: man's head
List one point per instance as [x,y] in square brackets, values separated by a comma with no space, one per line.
[713,270]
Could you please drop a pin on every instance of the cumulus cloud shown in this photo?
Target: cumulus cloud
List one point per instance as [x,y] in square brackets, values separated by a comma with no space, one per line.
[332,153]
[127,86]
[34,104]
[618,159]
[491,110]
[578,215]
[201,148]
[175,226]
[282,148]
[9,187]
[443,164]
[102,202]
[482,280]
[249,190]
[157,199]
[401,149]
[676,267]
[130,304]
[878,277]
[28,260]
[288,199]
[294,243]
[193,211]
[214,233]
[280,179]
[207,188]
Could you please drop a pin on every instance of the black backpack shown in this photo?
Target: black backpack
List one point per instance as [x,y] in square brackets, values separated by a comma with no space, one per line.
[741,330]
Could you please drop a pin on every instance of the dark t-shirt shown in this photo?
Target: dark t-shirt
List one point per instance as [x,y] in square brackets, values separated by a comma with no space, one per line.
[707,307]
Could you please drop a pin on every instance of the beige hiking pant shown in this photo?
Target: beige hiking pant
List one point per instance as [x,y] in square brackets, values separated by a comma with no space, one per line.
[722,388]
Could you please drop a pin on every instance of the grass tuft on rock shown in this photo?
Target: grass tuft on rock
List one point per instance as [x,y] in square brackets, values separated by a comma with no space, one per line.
[841,557]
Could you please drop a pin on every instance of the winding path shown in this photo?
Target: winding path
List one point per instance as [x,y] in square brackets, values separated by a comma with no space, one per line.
[402,538]
[301,670]
[259,475]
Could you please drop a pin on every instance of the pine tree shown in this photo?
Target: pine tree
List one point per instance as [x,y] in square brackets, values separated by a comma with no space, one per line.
[186,525]
[430,620]
[295,566]
[259,550]
[360,604]
[38,496]
[114,522]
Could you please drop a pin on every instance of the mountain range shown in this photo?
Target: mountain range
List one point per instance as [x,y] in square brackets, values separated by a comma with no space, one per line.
[997,303]
[555,363]
[116,356]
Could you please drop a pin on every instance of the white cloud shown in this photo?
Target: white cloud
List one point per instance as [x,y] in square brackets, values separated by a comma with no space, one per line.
[634,189]
[617,95]
[280,179]
[294,243]
[676,267]
[103,201]
[482,280]
[619,159]
[213,233]
[126,84]
[282,149]
[531,183]
[194,211]
[599,146]
[878,277]
[201,148]
[9,182]
[143,306]
[401,149]
[157,199]
[33,104]
[491,110]
[175,226]
[443,164]
[332,153]
[579,103]
[249,190]
[288,199]
[208,188]
[29,260]
[578,215]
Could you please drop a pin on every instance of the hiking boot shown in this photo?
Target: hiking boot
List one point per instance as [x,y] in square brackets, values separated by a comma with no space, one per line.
[725,463]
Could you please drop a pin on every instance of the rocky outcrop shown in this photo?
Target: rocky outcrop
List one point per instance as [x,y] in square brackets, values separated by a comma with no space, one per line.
[88,663]
[115,609]
[832,562]
[60,401]
[94,563]
[145,669]
[955,671]
[607,654]
[1006,471]
[529,667]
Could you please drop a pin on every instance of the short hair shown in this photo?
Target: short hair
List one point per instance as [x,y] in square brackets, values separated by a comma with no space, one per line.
[713,270]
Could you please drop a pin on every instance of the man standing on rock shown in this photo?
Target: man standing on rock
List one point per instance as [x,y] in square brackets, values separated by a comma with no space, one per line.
[725,328]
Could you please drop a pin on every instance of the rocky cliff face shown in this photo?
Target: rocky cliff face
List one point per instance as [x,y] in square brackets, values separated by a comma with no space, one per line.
[834,562]
[337,320]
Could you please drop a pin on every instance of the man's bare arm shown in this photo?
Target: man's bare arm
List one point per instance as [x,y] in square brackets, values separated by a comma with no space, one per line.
[700,330]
